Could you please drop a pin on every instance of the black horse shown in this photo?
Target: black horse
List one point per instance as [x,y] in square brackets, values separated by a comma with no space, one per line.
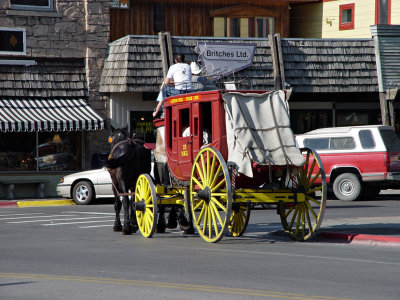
[127,160]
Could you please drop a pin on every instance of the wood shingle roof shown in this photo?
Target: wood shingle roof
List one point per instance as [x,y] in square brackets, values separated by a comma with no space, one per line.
[48,78]
[134,64]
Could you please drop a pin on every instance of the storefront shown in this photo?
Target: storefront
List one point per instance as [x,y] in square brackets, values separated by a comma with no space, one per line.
[43,138]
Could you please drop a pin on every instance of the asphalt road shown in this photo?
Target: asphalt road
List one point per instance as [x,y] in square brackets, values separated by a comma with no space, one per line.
[71,252]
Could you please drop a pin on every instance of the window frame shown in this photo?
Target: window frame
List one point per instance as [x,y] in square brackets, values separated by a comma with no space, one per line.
[23,30]
[346,25]
[50,7]
[377,12]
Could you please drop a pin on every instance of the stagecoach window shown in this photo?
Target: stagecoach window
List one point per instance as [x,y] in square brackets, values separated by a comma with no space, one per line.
[55,151]
[366,138]
[184,120]
[317,144]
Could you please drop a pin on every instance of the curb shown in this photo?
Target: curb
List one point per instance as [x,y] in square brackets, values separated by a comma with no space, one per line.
[362,239]
[55,202]
[45,203]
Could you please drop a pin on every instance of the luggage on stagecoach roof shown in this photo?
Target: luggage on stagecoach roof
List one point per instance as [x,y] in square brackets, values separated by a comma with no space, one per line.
[258,130]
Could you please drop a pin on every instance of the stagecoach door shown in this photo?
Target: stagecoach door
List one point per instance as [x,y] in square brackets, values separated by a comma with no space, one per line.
[183,138]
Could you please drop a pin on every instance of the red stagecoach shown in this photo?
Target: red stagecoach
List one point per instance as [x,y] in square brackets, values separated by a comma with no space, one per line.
[226,151]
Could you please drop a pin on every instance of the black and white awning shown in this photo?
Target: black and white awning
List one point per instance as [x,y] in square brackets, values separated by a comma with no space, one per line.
[30,114]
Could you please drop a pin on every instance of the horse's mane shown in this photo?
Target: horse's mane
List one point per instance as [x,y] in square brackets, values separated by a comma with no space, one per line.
[122,152]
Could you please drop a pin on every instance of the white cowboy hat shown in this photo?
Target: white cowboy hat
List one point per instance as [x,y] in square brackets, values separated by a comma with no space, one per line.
[195,68]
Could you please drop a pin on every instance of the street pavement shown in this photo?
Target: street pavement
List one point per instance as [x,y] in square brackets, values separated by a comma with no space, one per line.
[376,231]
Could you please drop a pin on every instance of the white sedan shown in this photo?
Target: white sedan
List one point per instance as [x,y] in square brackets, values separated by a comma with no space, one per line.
[84,187]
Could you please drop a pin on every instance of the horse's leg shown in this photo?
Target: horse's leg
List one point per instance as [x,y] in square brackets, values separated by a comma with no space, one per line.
[172,223]
[117,209]
[161,220]
[183,222]
[126,230]
[133,221]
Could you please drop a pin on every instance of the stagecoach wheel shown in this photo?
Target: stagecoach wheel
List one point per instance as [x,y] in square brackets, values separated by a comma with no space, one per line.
[146,205]
[239,220]
[210,194]
[302,219]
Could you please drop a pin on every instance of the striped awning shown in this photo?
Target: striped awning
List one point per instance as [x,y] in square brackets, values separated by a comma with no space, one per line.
[32,114]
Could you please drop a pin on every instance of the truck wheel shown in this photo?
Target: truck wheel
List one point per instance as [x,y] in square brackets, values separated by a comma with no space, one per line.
[347,187]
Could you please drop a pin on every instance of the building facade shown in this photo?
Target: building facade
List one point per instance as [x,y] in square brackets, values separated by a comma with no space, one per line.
[342,18]
[52,114]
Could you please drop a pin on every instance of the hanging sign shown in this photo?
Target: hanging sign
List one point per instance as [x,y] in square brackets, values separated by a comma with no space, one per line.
[121,4]
[222,59]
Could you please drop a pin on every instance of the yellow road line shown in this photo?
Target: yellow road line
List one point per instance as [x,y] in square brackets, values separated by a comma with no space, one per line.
[45,203]
[178,286]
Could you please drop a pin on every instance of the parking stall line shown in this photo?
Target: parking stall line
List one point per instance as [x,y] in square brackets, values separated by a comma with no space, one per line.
[7,215]
[95,226]
[31,217]
[51,220]
[70,223]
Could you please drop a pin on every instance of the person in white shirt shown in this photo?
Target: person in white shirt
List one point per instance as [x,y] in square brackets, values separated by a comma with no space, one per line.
[178,81]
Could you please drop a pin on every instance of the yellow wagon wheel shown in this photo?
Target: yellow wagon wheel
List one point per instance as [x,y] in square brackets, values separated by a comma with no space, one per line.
[210,194]
[302,219]
[239,219]
[146,205]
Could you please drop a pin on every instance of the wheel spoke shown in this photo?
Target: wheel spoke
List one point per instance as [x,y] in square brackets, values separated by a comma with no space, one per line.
[201,202]
[204,179]
[200,173]
[205,223]
[216,212]
[201,215]
[312,211]
[220,205]
[215,176]
[198,183]
[212,168]
[218,185]
[317,175]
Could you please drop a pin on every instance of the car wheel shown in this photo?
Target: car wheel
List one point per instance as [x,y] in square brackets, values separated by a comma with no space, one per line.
[82,193]
[347,187]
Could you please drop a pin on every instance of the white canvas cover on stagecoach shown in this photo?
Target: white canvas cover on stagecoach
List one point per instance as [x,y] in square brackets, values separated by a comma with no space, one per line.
[258,129]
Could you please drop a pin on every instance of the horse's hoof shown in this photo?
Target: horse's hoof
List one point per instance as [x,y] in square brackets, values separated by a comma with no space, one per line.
[189,230]
[126,232]
[117,229]
[160,229]
[172,223]
[183,223]
[134,228]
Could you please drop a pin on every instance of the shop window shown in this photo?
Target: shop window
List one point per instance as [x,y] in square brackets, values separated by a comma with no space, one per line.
[307,120]
[243,27]
[142,125]
[54,151]
[158,20]
[42,5]
[382,11]
[346,16]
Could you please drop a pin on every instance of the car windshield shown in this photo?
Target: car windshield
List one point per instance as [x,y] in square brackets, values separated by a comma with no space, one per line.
[390,139]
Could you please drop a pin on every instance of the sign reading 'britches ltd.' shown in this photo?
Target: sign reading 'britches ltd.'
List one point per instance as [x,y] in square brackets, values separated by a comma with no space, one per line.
[222,59]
